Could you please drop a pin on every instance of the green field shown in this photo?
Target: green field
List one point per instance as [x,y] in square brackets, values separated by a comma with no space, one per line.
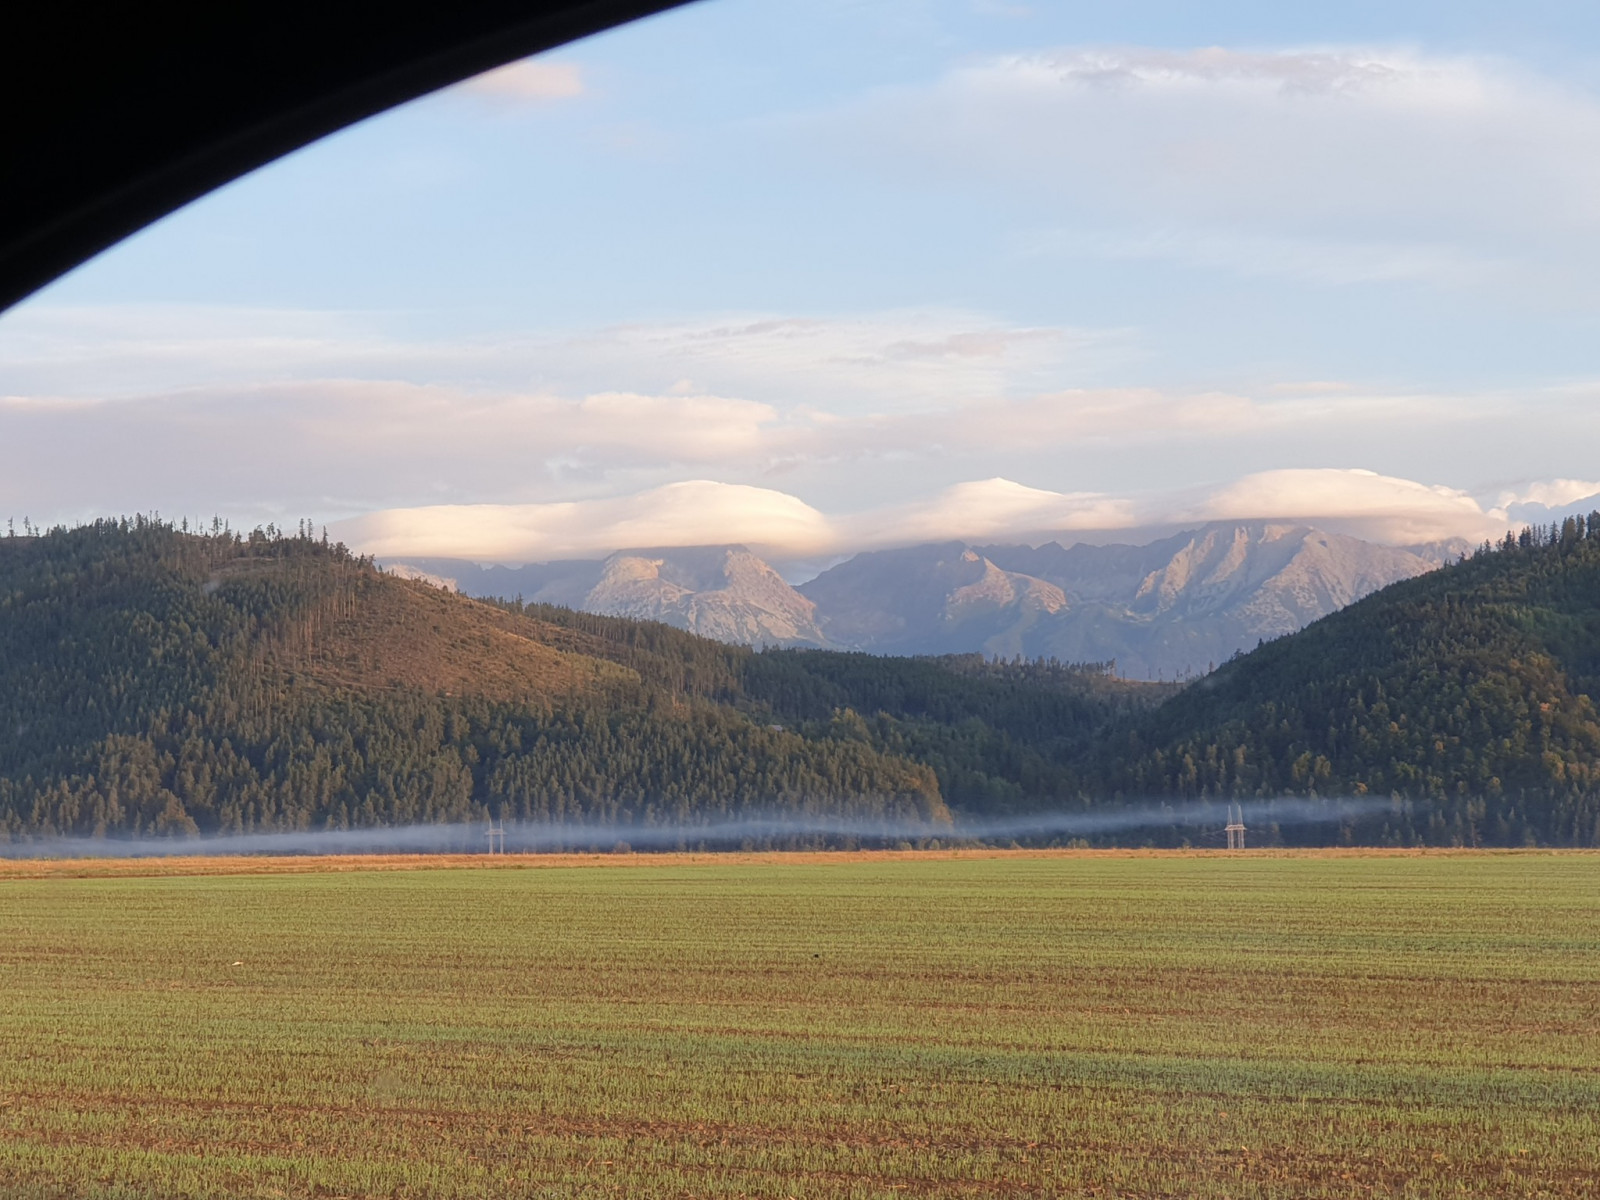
[934,1026]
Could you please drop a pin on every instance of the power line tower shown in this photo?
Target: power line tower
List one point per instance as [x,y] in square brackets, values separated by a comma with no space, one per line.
[1235,827]
[497,837]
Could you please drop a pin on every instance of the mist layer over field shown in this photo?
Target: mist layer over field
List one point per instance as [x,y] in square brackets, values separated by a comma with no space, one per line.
[1204,821]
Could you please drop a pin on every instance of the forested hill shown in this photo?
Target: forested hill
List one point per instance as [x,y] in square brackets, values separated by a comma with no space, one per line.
[1467,693]
[154,681]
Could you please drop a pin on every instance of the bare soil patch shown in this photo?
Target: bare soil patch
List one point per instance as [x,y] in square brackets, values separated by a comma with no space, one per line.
[307,864]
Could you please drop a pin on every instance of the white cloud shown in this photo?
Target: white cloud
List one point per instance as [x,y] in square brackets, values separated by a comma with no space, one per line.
[1358,502]
[108,352]
[327,446]
[1380,507]
[1552,493]
[1120,415]
[889,360]
[533,79]
[982,509]
[273,413]
[1337,164]
[701,512]
[1551,500]
[693,513]
[331,445]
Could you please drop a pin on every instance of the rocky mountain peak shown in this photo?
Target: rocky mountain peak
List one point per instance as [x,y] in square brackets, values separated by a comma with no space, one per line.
[1168,608]
[1164,609]
[723,592]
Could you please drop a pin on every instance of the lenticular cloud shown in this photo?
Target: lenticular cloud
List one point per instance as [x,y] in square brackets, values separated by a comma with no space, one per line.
[1361,503]
[694,513]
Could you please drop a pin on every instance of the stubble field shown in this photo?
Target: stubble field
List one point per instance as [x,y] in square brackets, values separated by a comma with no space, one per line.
[931,1025]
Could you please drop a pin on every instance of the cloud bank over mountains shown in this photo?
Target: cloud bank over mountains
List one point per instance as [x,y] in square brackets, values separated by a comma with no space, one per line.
[701,512]
[871,432]
[804,436]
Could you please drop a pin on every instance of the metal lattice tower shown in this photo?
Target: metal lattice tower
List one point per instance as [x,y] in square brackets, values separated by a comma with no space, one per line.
[1235,827]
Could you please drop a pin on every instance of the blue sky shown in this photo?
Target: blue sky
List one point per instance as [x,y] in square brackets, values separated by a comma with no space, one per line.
[829,275]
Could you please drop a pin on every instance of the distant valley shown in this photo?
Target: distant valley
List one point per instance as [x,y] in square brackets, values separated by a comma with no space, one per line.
[159,683]
[1171,609]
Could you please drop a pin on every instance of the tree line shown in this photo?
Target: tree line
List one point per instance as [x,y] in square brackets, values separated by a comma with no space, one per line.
[156,681]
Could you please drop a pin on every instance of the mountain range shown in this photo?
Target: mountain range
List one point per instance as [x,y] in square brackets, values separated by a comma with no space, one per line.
[154,682]
[1169,609]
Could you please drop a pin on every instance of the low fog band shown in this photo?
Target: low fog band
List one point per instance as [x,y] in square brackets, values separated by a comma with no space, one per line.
[756,831]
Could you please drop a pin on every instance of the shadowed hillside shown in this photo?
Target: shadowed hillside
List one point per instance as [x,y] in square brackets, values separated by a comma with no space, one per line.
[153,681]
[1465,694]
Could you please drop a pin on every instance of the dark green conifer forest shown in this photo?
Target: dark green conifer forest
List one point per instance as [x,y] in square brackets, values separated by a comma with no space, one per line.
[1464,695]
[158,682]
